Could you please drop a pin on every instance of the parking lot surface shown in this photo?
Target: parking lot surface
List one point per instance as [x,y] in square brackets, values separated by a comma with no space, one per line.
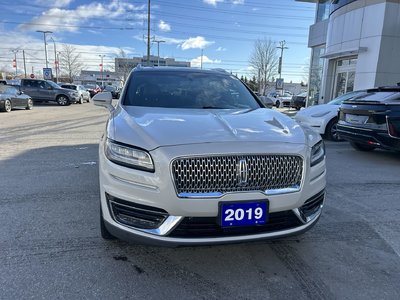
[50,245]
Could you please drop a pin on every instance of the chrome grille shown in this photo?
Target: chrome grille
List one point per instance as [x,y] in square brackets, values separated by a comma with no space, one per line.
[222,174]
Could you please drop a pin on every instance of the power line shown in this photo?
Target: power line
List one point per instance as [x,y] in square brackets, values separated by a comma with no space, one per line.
[232,12]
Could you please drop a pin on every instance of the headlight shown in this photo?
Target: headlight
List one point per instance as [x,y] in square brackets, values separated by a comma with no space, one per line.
[318,115]
[128,156]
[317,153]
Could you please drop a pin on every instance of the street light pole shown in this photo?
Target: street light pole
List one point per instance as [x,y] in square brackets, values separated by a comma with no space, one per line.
[148,33]
[158,50]
[45,44]
[282,47]
[102,69]
[55,58]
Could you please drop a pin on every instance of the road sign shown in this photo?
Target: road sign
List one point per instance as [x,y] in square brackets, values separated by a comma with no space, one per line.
[47,74]
[32,75]
[279,84]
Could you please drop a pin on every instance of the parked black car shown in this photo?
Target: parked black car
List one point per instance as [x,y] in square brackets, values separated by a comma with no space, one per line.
[372,120]
[299,101]
[113,90]
[11,97]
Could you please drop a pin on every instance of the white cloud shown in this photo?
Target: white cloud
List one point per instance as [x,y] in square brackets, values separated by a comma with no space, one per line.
[220,49]
[35,58]
[163,26]
[195,42]
[196,62]
[236,2]
[72,18]
[212,2]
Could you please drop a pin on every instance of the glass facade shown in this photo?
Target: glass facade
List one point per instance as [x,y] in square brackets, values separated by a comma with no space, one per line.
[345,73]
[323,9]
[316,68]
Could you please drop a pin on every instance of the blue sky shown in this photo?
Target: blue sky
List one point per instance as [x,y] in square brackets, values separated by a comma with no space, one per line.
[224,29]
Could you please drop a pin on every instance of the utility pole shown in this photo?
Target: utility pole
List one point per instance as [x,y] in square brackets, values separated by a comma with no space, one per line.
[55,58]
[148,33]
[45,44]
[158,50]
[201,59]
[15,51]
[102,69]
[282,47]
[23,55]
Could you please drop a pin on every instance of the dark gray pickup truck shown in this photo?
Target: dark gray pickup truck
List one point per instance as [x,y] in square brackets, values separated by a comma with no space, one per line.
[46,90]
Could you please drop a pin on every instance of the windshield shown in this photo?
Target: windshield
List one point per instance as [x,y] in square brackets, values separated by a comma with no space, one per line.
[340,99]
[54,85]
[188,90]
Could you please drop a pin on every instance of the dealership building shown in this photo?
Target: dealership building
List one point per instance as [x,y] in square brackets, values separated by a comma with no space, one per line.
[355,45]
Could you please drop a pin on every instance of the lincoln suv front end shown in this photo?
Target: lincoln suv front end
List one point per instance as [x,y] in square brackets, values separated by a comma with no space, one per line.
[193,157]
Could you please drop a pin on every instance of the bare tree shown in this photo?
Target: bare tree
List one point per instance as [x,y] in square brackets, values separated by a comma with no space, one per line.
[264,60]
[70,61]
[124,67]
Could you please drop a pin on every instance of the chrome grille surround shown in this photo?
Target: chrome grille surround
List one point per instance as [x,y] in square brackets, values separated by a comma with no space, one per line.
[214,176]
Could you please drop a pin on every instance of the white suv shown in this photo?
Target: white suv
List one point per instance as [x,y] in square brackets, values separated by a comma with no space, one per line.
[192,157]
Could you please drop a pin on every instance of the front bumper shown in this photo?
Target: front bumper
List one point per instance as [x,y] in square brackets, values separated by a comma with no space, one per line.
[156,190]
[380,139]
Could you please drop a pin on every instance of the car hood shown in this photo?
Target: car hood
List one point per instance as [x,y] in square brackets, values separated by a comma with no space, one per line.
[151,128]
[316,109]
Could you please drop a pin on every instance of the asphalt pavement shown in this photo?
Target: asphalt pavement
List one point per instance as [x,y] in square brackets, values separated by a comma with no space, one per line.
[50,244]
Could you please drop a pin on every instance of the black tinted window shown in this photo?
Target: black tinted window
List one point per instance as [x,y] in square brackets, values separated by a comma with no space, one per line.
[187,90]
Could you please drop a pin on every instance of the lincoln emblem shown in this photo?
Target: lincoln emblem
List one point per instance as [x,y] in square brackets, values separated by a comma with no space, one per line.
[242,172]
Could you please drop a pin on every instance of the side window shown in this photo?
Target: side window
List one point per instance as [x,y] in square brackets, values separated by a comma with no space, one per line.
[43,85]
[28,83]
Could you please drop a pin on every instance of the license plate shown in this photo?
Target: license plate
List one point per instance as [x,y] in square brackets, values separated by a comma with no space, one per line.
[243,213]
[356,119]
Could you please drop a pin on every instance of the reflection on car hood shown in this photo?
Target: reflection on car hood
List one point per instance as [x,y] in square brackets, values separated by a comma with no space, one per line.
[150,128]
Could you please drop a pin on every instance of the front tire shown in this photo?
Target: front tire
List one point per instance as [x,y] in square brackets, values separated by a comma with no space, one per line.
[277,103]
[362,147]
[7,106]
[331,131]
[29,105]
[80,100]
[63,100]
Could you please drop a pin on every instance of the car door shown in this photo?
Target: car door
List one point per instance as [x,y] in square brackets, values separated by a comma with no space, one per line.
[14,96]
[45,90]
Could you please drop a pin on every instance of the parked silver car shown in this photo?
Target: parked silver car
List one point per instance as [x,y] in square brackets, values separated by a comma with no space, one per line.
[84,95]
[192,157]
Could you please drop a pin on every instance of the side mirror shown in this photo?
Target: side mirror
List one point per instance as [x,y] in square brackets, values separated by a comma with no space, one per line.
[103,99]
[49,88]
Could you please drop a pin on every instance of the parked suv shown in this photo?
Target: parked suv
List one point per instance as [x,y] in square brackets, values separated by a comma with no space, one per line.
[192,156]
[372,120]
[46,90]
